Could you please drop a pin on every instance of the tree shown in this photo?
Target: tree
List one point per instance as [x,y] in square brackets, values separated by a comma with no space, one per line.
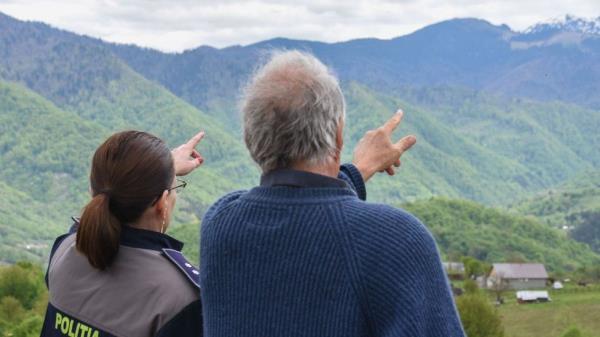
[498,286]
[515,257]
[473,267]
[478,316]
[23,300]
[22,281]
[470,286]
[588,230]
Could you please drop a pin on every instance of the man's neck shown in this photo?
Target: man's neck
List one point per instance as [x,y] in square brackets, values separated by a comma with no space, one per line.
[330,170]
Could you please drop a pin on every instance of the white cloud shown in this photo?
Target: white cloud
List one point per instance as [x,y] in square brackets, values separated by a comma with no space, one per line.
[175,25]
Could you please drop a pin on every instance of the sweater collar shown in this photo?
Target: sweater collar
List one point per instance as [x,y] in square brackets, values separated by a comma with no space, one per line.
[296,178]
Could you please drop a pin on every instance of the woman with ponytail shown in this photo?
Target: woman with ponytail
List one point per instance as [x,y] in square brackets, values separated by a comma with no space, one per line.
[117,273]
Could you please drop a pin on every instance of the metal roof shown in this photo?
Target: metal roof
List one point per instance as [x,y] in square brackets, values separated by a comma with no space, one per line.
[520,270]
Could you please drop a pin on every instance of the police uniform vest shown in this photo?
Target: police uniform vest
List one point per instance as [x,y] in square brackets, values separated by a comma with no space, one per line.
[149,290]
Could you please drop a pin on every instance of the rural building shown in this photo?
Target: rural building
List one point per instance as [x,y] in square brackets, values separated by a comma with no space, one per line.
[519,275]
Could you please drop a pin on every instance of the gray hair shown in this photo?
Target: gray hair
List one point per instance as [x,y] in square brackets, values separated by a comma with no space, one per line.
[292,108]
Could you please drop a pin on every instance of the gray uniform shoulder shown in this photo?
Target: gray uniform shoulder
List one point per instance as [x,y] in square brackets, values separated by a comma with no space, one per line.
[161,272]
[140,292]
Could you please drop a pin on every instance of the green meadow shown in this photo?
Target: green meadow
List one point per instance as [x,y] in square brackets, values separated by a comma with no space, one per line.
[570,307]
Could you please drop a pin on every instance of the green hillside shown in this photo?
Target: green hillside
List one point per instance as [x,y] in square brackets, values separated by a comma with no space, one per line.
[61,95]
[45,154]
[554,140]
[561,205]
[44,163]
[450,162]
[45,151]
[26,227]
[573,206]
[467,228]
[81,75]
[444,162]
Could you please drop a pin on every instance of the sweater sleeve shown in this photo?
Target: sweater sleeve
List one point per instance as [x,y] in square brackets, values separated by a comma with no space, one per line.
[350,174]
[221,204]
[404,284]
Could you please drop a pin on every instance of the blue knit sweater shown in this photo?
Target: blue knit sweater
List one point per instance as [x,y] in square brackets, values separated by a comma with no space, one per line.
[305,255]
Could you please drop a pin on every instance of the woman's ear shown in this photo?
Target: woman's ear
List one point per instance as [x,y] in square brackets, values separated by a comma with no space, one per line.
[161,206]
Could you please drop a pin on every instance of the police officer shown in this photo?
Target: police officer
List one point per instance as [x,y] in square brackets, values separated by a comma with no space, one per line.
[116,273]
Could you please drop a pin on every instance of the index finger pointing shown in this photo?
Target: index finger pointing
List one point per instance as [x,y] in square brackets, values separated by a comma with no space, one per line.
[406,143]
[393,122]
[195,140]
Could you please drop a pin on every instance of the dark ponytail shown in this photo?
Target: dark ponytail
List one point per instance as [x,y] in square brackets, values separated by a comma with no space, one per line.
[99,232]
[130,170]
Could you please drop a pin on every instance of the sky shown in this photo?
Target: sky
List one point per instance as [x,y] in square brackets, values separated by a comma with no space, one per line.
[177,25]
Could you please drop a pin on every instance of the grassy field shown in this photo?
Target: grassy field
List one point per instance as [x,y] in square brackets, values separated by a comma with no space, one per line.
[569,307]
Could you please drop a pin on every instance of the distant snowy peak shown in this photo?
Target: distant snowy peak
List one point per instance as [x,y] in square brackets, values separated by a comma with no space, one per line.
[568,23]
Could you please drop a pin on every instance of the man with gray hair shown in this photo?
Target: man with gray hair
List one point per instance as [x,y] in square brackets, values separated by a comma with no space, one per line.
[303,254]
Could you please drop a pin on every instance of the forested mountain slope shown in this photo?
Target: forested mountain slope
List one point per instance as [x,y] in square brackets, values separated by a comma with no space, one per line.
[466,228]
[62,94]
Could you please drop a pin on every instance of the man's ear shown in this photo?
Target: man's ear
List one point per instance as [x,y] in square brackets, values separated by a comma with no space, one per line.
[339,137]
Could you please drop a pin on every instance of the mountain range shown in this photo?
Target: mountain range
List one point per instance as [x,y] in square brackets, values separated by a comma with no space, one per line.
[568,23]
[500,115]
[558,61]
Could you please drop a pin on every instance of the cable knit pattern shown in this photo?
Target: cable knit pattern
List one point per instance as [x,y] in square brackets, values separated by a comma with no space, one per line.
[288,261]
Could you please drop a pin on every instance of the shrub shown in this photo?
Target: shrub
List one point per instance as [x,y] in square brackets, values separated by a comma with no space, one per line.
[23,300]
[470,287]
[572,332]
[29,327]
[479,317]
[22,281]
[11,310]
